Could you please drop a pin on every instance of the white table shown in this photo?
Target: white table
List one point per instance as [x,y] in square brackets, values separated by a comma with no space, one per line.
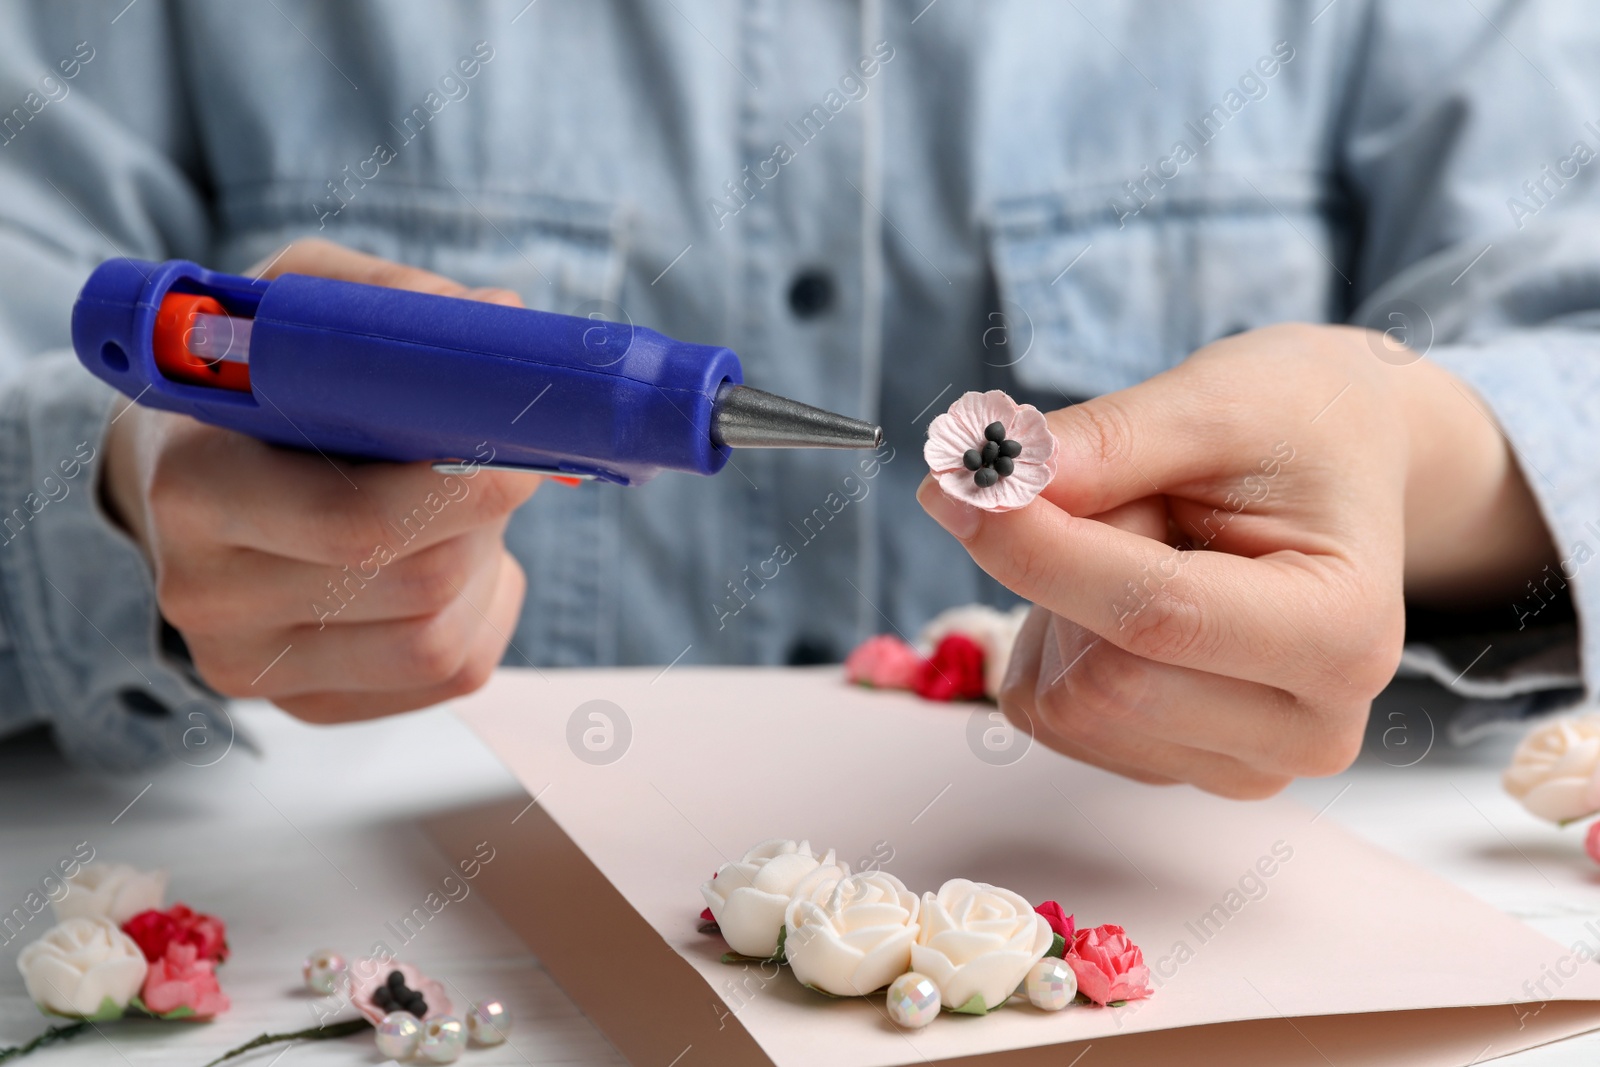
[314,842]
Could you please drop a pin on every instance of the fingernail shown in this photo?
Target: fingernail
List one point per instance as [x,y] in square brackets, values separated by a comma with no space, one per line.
[960,520]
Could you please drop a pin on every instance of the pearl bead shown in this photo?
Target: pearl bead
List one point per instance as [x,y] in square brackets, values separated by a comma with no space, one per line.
[323,970]
[398,1035]
[913,1000]
[489,1022]
[443,1038]
[1050,984]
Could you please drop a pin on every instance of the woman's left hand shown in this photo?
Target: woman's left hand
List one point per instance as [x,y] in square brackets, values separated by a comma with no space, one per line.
[1220,567]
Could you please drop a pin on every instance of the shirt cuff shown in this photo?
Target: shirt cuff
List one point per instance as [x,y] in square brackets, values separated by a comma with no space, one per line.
[76,596]
[1540,387]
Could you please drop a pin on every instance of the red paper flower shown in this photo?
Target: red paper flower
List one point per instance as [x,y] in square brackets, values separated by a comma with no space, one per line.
[1059,920]
[1591,842]
[182,979]
[884,662]
[954,671]
[153,931]
[1108,966]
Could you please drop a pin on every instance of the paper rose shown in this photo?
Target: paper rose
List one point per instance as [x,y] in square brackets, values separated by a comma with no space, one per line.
[991,452]
[748,898]
[368,974]
[83,967]
[884,662]
[153,931]
[852,935]
[1108,966]
[1553,771]
[112,891]
[181,981]
[993,630]
[977,942]
[1061,924]
[953,672]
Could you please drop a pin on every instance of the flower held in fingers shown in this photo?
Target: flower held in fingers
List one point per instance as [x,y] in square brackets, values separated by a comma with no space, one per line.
[991,452]
[977,942]
[853,935]
[748,898]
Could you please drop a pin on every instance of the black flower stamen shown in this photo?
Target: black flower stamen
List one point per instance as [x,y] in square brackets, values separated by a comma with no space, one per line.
[995,459]
[394,996]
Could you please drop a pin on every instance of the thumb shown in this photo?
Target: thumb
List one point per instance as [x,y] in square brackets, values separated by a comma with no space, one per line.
[1128,445]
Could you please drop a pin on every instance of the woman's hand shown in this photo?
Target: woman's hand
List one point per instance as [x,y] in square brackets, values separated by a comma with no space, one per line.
[1220,567]
[338,591]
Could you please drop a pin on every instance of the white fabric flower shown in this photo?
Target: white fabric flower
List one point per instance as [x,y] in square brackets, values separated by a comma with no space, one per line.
[113,891]
[83,967]
[993,630]
[748,898]
[977,940]
[853,935]
[1553,771]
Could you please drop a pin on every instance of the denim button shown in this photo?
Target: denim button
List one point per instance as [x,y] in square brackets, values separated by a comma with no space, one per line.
[808,651]
[811,293]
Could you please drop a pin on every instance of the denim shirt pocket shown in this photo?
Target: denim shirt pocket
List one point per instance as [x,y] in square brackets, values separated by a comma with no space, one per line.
[1097,296]
[559,254]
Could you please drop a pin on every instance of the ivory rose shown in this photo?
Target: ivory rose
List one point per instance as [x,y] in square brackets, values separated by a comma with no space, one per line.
[852,935]
[748,898]
[977,942]
[84,968]
[1554,770]
[113,891]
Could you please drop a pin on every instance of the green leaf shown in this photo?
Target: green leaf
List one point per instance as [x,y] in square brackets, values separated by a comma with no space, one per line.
[973,1006]
[783,936]
[1058,947]
[1115,1003]
[183,1011]
[824,992]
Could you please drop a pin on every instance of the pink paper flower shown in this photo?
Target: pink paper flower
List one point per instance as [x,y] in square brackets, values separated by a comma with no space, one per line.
[1108,966]
[182,979]
[1059,920]
[368,974]
[1026,456]
[1591,842]
[884,662]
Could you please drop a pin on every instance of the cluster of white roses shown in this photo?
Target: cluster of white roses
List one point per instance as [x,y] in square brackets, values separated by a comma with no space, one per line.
[852,934]
[85,966]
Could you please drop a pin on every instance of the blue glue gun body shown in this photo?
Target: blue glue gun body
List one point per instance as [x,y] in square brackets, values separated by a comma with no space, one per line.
[364,371]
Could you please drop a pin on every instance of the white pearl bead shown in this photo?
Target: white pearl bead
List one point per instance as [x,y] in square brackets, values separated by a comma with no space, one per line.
[399,1034]
[913,1000]
[1050,984]
[489,1022]
[443,1038]
[323,970]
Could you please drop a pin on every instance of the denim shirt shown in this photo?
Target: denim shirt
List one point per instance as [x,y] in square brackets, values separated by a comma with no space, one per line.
[878,205]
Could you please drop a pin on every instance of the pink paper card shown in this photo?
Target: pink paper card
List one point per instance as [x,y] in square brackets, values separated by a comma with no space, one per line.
[1265,927]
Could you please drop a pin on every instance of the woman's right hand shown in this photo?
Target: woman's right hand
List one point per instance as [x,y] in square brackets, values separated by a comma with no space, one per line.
[338,591]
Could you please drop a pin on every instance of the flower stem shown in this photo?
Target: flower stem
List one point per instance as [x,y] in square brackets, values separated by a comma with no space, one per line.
[316,1033]
[49,1037]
